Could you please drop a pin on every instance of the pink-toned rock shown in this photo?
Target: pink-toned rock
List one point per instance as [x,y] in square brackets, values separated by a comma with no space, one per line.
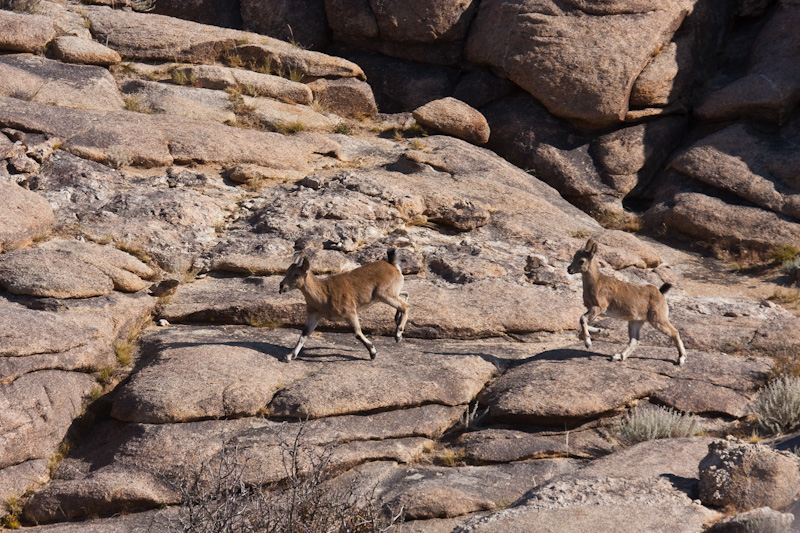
[25,33]
[455,118]
[24,215]
[71,49]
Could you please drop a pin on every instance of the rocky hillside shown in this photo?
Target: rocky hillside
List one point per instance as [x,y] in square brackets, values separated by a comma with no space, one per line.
[159,175]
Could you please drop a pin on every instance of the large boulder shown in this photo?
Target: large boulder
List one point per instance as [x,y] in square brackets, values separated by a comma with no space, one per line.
[24,216]
[225,13]
[392,27]
[624,35]
[246,81]
[72,49]
[455,118]
[743,477]
[770,88]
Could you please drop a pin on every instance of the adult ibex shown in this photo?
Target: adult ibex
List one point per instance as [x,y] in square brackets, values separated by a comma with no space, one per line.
[604,295]
[341,296]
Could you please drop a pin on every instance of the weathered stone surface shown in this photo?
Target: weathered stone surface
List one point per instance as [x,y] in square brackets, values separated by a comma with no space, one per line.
[24,216]
[573,385]
[147,37]
[402,85]
[612,495]
[434,492]
[728,226]
[391,27]
[18,479]
[45,81]
[594,172]
[481,87]
[297,21]
[248,82]
[37,409]
[347,97]
[225,13]
[72,335]
[160,140]
[70,269]
[755,167]
[191,102]
[53,274]
[280,116]
[770,89]
[128,523]
[139,454]
[454,117]
[340,389]
[24,32]
[508,445]
[763,518]
[743,477]
[659,84]
[548,68]
[71,49]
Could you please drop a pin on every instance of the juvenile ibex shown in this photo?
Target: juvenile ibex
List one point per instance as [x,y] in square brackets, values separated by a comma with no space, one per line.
[341,296]
[618,299]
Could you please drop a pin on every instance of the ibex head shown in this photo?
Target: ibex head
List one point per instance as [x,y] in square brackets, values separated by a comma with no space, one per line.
[295,274]
[583,258]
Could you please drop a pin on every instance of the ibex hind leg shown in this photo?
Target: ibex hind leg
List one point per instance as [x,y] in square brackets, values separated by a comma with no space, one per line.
[401,316]
[669,330]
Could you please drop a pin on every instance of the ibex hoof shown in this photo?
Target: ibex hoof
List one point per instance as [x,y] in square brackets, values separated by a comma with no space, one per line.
[373,355]
[587,343]
[398,338]
[681,360]
[617,357]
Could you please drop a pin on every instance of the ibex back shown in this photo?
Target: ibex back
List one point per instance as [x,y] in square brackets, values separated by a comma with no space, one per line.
[604,295]
[341,296]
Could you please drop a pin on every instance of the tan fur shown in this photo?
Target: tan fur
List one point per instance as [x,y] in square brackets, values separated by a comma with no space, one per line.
[342,296]
[604,295]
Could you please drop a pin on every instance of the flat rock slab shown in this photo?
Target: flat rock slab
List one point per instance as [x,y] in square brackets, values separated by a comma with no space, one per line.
[244,376]
[161,140]
[642,488]
[71,269]
[220,78]
[430,492]
[74,335]
[24,215]
[35,412]
[138,455]
[45,81]
[72,49]
[508,445]
[24,32]
[480,309]
[192,102]
[575,384]
[147,37]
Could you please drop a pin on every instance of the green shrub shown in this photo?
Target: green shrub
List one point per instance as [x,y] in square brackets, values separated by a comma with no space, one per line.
[777,406]
[648,423]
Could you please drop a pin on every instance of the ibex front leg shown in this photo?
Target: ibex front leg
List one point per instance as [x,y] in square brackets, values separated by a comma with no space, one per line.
[311,323]
[587,319]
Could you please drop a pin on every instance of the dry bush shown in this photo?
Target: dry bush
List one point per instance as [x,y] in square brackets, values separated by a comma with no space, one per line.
[777,406]
[221,498]
[648,423]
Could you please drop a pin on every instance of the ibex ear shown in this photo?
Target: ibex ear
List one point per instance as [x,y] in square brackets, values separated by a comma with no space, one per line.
[298,257]
[591,247]
[305,264]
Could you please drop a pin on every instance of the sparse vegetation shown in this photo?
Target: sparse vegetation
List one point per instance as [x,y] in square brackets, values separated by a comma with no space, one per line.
[581,233]
[783,254]
[232,58]
[296,75]
[26,6]
[288,128]
[13,510]
[179,77]
[118,157]
[342,128]
[142,5]
[132,103]
[451,457]
[219,496]
[104,375]
[651,422]
[623,221]
[777,406]
[786,364]
[63,450]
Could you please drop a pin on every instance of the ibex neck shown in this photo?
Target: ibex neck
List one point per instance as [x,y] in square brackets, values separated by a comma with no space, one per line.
[592,275]
[312,289]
